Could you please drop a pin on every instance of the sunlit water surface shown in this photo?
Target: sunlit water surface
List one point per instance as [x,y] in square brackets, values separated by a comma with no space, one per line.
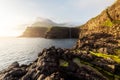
[25,50]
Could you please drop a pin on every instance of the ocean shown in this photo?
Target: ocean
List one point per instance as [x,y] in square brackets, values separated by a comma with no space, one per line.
[25,50]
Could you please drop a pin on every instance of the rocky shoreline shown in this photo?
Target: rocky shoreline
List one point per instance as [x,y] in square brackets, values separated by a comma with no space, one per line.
[94,57]
[52,64]
[64,64]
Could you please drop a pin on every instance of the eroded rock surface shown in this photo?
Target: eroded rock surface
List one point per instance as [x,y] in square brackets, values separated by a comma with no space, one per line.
[53,64]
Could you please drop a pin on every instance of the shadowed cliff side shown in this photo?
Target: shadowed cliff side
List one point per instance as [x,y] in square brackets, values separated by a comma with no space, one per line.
[34,32]
[51,32]
[62,32]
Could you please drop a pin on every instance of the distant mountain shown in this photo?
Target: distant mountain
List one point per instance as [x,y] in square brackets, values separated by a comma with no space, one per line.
[44,22]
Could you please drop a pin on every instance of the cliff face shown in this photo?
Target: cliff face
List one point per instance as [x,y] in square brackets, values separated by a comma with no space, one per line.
[107,22]
[35,32]
[51,32]
[102,33]
[62,32]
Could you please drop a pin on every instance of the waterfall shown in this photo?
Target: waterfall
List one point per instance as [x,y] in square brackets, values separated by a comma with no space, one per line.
[70,33]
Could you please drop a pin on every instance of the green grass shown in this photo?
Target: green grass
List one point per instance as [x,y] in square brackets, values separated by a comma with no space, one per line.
[108,23]
[64,63]
[106,56]
[117,52]
[107,74]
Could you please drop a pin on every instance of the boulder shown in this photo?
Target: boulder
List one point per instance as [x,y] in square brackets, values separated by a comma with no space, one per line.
[14,64]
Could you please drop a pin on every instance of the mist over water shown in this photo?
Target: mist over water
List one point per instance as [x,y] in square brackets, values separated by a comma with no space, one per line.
[25,50]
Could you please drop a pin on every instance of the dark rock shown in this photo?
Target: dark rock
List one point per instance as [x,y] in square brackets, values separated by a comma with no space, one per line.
[29,75]
[15,73]
[99,42]
[14,64]
[39,54]
[54,76]
[23,65]
[41,77]
[102,50]
[58,64]
[117,69]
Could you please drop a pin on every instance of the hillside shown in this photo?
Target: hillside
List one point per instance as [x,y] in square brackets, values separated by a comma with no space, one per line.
[108,22]
[102,33]
[100,37]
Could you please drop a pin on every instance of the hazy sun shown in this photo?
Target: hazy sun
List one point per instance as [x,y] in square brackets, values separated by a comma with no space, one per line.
[7,27]
[10,19]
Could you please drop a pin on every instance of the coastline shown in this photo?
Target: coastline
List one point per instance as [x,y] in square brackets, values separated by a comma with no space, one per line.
[64,64]
[96,55]
[51,64]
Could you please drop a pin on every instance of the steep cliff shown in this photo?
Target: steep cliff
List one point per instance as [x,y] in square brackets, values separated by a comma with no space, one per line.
[35,32]
[107,22]
[62,32]
[102,33]
[47,28]
[51,32]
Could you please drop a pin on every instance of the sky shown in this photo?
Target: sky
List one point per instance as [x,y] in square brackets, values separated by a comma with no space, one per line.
[16,14]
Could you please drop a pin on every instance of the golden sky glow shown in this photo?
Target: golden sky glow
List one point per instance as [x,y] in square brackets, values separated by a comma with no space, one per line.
[10,19]
[16,13]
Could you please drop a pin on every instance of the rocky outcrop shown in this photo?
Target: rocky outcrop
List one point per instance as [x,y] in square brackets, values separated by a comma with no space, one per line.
[99,42]
[51,32]
[64,64]
[53,64]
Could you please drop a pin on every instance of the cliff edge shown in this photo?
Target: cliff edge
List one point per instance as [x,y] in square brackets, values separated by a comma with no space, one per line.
[51,32]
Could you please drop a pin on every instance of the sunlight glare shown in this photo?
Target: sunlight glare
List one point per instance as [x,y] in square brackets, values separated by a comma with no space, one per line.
[9,20]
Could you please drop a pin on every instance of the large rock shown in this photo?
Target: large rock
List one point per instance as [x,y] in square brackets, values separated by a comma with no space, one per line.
[98,42]
[14,64]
